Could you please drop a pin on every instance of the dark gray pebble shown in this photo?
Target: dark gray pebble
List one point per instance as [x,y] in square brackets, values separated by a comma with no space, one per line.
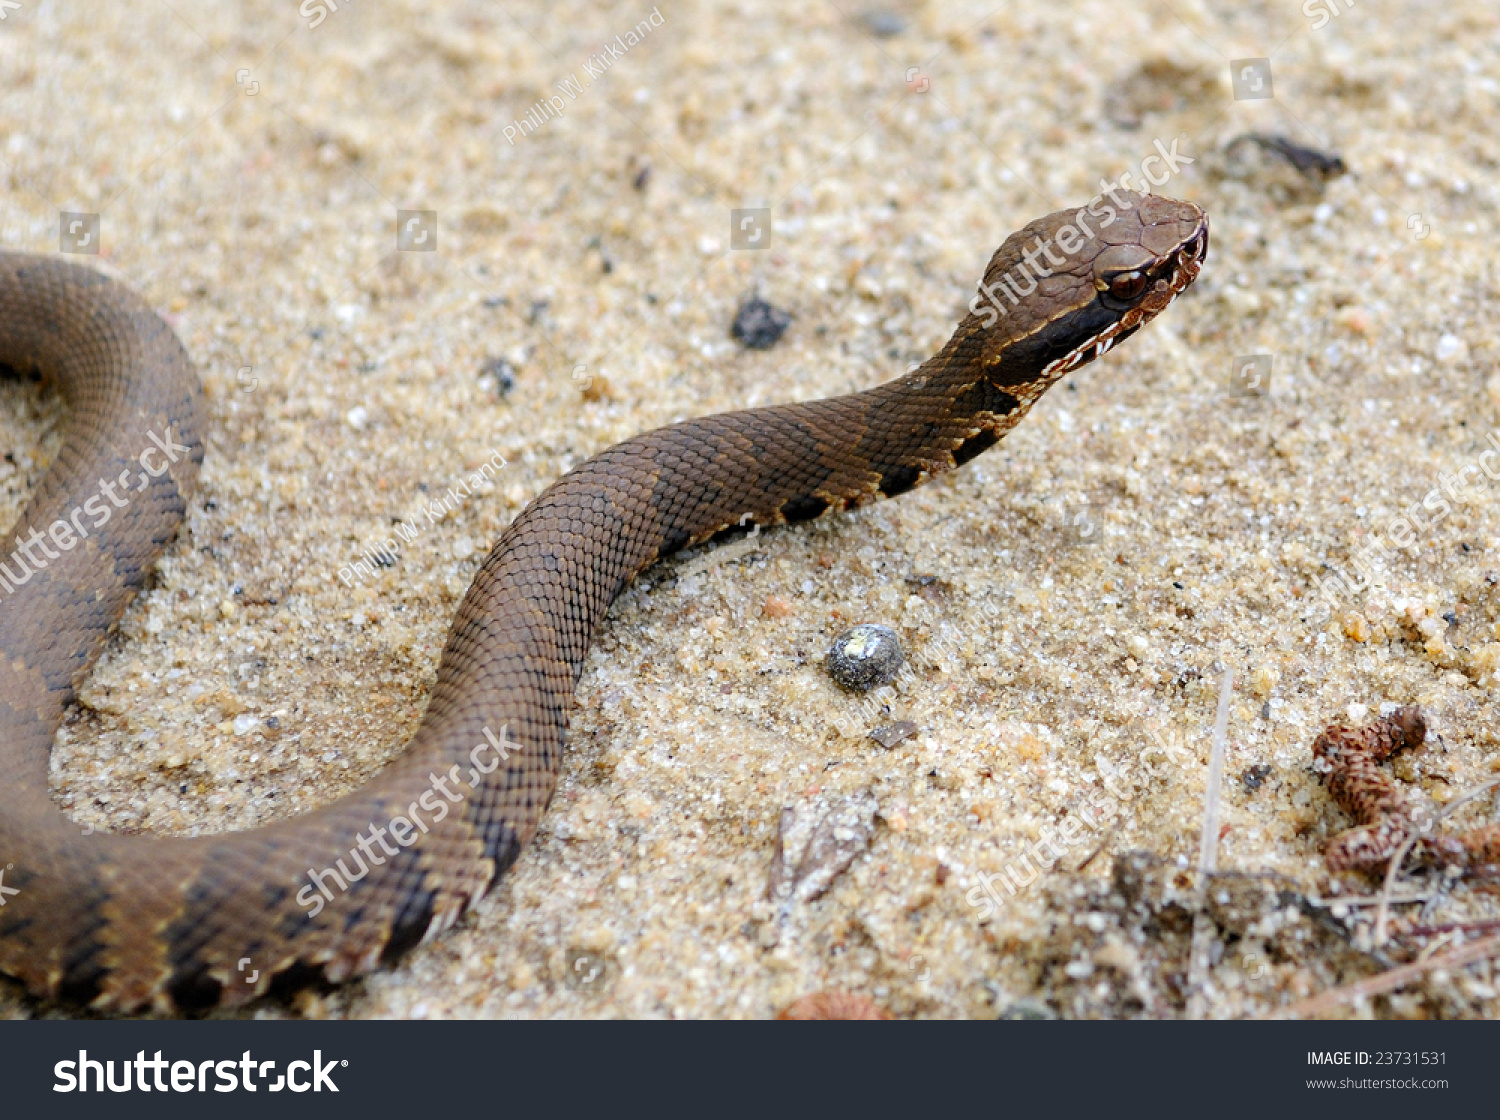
[758,325]
[865,657]
[1255,777]
[503,373]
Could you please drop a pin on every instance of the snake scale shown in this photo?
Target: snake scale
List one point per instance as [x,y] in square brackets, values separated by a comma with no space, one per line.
[124,923]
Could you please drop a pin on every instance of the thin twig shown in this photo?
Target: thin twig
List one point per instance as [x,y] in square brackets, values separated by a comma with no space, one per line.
[1485,925]
[1393,869]
[1208,851]
[1370,900]
[1388,981]
[1452,935]
[1463,799]
[1208,844]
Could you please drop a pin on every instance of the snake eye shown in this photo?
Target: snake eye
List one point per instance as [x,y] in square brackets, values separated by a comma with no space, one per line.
[1128,285]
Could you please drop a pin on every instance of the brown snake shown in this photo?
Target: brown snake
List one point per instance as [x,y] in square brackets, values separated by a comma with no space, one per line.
[123,922]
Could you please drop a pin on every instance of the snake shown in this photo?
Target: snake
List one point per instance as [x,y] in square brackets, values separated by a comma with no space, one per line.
[122,923]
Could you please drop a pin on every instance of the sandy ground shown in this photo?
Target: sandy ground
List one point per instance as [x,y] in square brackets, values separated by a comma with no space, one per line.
[1066,602]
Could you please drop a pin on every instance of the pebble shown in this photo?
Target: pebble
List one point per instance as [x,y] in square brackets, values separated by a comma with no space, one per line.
[777,607]
[1255,777]
[882,23]
[497,376]
[1356,320]
[1263,680]
[865,657]
[1451,349]
[758,325]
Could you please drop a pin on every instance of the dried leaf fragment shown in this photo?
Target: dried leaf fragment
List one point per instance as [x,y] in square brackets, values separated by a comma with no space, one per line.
[834,1005]
[843,833]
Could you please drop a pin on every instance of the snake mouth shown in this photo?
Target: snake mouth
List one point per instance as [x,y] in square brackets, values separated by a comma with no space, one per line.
[1097,346]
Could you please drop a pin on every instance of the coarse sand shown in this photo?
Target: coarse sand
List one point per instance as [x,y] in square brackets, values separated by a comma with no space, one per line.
[1068,602]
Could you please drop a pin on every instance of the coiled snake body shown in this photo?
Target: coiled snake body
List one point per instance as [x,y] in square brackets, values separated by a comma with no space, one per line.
[125,922]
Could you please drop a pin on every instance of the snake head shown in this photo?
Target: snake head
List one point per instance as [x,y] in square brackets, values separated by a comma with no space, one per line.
[1066,288]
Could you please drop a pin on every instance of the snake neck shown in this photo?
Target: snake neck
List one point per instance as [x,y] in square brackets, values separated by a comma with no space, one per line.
[945,412]
[728,473]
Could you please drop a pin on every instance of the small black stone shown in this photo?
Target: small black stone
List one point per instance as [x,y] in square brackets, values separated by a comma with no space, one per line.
[865,657]
[758,325]
[502,371]
[1254,777]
